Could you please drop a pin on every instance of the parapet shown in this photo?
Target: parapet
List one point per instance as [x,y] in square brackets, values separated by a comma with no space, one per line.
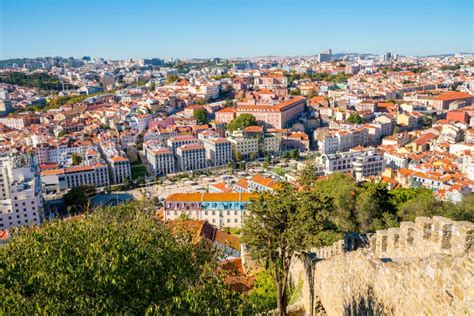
[351,241]
[426,236]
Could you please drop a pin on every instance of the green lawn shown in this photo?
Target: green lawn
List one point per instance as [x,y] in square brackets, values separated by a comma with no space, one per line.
[138,170]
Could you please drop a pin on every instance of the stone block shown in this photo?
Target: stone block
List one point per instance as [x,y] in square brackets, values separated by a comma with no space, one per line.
[407,238]
[424,227]
[394,241]
[462,237]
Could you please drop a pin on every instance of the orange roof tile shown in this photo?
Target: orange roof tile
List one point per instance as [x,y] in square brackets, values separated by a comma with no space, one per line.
[52,172]
[454,95]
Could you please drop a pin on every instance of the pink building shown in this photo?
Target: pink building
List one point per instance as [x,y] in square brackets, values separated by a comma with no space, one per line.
[225,115]
[278,115]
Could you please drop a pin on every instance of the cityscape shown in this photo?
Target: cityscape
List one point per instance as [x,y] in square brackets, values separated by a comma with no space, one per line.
[326,183]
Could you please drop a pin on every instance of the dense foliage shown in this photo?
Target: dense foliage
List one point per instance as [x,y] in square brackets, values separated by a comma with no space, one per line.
[200,115]
[242,121]
[261,298]
[279,225]
[355,118]
[334,78]
[116,261]
[40,80]
[77,199]
[370,206]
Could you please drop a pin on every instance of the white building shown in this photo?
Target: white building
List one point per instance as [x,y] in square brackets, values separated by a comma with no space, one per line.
[191,157]
[395,160]
[218,151]
[22,201]
[368,164]
[244,145]
[178,141]
[362,163]
[59,180]
[219,209]
[161,160]
[120,169]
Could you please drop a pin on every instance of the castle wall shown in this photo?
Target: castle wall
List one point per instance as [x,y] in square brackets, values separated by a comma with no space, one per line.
[426,267]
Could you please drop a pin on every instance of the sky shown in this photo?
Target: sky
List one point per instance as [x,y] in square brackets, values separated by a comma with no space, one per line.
[123,29]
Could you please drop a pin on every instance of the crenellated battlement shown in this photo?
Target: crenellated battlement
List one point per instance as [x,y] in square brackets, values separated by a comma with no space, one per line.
[422,238]
[421,268]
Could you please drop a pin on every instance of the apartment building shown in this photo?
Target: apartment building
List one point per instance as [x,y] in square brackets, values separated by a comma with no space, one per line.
[161,160]
[191,157]
[226,115]
[362,163]
[259,183]
[395,160]
[244,146]
[178,141]
[21,196]
[444,100]
[219,209]
[218,151]
[58,180]
[333,141]
[275,115]
[368,163]
[271,81]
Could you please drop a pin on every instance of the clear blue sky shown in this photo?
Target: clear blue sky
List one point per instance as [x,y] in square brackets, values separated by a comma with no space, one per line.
[232,28]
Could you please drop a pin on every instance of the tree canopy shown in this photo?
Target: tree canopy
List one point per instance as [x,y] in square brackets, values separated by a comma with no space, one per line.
[171,79]
[77,199]
[308,175]
[76,159]
[355,118]
[117,260]
[242,121]
[200,115]
[370,206]
[40,80]
[279,225]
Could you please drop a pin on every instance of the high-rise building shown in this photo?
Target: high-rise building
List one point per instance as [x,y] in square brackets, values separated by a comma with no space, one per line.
[5,103]
[387,56]
[20,192]
[325,56]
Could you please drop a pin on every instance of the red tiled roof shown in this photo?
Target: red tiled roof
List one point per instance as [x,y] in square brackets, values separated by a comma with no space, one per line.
[454,95]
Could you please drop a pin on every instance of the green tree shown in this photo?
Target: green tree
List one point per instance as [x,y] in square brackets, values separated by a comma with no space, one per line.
[117,260]
[463,211]
[295,91]
[308,175]
[200,101]
[261,298]
[77,199]
[355,118]
[200,115]
[279,225]
[373,208]
[294,153]
[76,159]
[422,205]
[229,103]
[342,189]
[242,121]
[312,93]
[171,79]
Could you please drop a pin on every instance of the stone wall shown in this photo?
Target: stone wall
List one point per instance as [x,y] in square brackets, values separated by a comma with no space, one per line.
[426,267]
